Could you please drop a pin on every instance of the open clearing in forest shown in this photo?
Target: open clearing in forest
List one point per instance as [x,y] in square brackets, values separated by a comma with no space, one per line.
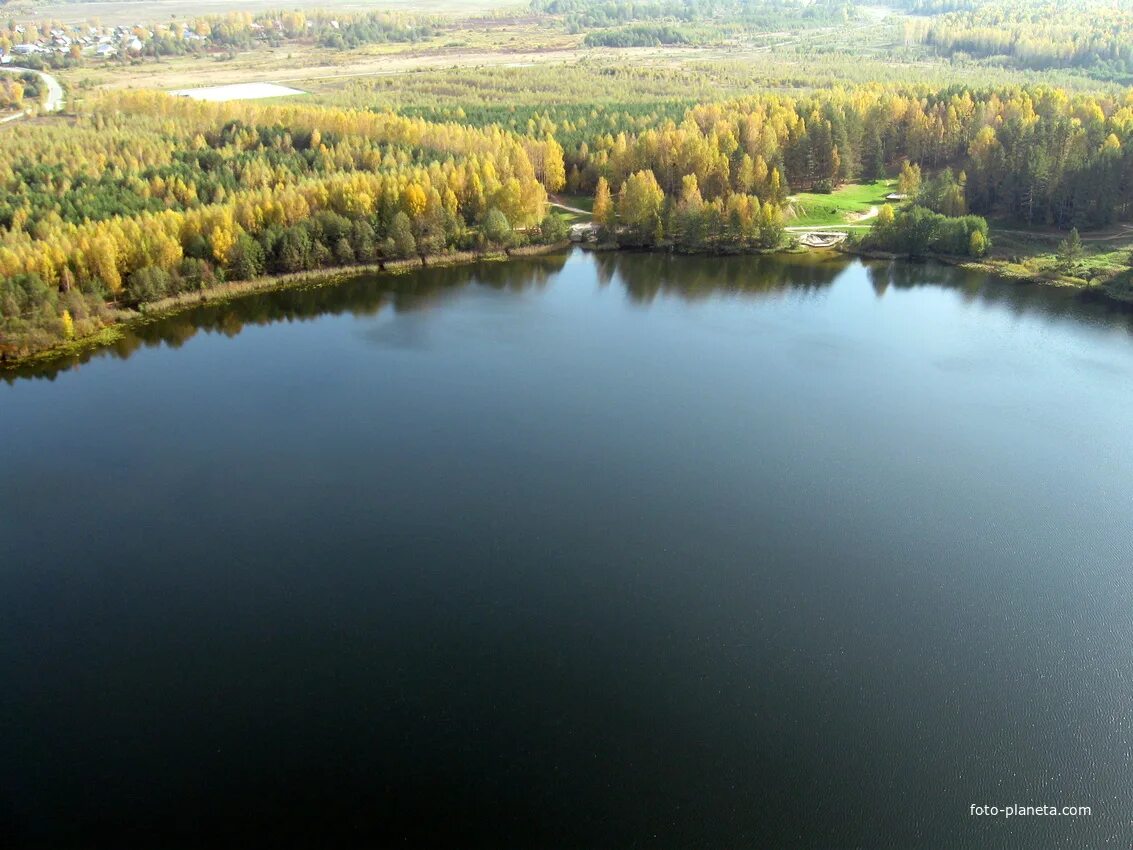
[849,205]
[237,91]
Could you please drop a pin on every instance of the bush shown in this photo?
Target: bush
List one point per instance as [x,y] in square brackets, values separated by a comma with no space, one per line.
[23,294]
[399,243]
[343,253]
[553,228]
[193,275]
[247,258]
[147,284]
[918,231]
[496,228]
[362,242]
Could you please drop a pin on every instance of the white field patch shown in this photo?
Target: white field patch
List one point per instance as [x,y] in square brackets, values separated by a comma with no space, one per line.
[237,91]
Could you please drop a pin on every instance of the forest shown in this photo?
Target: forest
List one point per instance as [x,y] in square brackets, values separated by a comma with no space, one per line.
[1034,156]
[164,195]
[1091,37]
[150,195]
[582,15]
[1089,34]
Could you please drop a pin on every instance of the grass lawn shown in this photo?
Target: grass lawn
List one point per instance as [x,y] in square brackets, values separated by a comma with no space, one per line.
[582,202]
[570,217]
[815,210]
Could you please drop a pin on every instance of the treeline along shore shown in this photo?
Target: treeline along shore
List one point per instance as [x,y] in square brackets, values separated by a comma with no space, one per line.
[145,199]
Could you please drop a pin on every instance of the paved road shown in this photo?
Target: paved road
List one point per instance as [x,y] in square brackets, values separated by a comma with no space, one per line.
[54,100]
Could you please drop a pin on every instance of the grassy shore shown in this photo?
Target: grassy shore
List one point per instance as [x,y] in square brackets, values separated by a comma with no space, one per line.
[1113,282]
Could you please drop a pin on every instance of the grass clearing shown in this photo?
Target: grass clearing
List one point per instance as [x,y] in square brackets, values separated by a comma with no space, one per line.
[237,91]
[570,217]
[578,202]
[812,209]
[582,202]
[1034,256]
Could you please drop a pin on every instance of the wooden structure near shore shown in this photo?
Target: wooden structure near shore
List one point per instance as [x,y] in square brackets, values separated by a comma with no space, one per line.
[822,239]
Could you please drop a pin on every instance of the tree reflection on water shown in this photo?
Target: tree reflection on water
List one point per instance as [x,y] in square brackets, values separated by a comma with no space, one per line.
[643,275]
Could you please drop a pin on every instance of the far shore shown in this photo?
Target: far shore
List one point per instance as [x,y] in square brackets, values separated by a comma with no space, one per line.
[129,318]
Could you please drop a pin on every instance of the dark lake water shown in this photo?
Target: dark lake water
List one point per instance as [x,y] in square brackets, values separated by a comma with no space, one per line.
[584,551]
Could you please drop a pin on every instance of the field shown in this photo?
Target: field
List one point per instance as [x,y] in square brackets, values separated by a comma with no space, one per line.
[237,91]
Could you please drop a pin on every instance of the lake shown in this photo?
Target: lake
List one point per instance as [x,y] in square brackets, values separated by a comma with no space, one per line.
[615,550]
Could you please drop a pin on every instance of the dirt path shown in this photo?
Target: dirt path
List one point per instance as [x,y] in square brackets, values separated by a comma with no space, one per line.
[866,216]
[568,209]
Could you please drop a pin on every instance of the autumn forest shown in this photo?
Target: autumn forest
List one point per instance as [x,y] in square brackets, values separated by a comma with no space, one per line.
[136,196]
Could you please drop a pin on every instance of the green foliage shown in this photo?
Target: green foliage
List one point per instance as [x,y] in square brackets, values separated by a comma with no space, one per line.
[919,232]
[977,244]
[720,15]
[195,274]
[1096,35]
[698,155]
[23,295]
[945,193]
[372,28]
[909,181]
[641,35]
[1071,250]
[247,259]
[294,251]
[496,228]
[148,283]
[1121,286]
[553,229]
[363,241]
[400,243]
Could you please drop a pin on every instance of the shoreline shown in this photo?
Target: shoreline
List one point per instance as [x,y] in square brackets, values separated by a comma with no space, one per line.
[992,266]
[218,295]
